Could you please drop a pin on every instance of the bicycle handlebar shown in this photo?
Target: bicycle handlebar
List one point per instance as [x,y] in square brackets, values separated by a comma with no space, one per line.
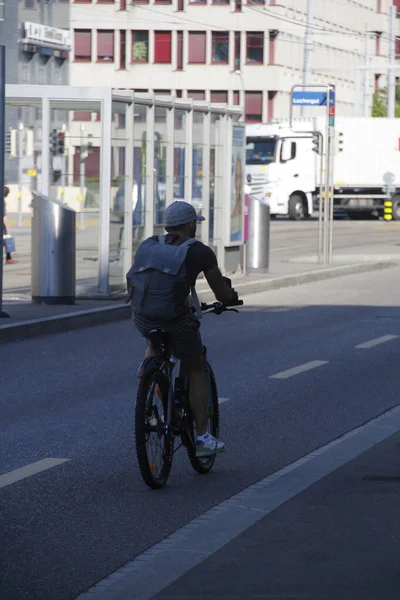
[218,307]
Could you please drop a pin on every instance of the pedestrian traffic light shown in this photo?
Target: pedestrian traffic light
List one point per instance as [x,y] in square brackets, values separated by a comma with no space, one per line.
[338,142]
[316,143]
[53,142]
[60,143]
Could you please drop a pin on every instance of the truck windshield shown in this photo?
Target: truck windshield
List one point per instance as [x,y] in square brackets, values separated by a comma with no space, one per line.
[260,151]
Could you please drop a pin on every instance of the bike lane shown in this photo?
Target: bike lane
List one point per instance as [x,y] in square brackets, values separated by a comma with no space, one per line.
[337,540]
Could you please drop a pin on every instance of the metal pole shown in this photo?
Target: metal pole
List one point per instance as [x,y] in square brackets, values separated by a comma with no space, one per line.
[308,49]
[358,93]
[321,174]
[366,72]
[327,181]
[391,95]
[82,176]
[20,143]
[331,142]
[2,157]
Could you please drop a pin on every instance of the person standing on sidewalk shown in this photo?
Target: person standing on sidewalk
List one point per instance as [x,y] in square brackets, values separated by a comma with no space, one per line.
[9,258]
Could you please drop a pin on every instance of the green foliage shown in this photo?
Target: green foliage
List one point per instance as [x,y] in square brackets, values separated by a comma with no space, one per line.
[379,103]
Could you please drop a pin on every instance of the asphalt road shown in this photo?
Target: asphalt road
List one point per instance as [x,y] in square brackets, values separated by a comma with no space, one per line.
[295,379]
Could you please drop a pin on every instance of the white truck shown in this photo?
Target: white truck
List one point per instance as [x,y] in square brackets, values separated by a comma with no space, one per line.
[284,167]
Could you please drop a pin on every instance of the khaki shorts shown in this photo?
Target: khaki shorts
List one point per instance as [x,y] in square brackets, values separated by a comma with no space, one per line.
[186,342]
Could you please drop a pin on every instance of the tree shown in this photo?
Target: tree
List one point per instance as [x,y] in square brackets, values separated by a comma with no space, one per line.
[379,103]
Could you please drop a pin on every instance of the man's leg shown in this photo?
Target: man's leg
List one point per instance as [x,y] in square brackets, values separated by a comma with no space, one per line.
[194,369]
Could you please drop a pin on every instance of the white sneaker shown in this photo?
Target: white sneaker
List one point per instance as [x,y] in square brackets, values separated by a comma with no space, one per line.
[208,447]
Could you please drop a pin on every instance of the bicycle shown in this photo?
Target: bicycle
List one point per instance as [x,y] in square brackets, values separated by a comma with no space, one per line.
[163,409]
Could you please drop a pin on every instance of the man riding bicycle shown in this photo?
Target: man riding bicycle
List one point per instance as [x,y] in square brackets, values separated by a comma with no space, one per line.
[162,281]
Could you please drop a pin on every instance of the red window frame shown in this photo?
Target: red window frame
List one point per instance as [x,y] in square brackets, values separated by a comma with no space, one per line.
[271,105]
[162,47]
[196,94]
[253,39]
[219,97]
[107,57]
[219,38]
[273,34]
[181,5]
[236,98]
[141,31]
[197,47]
[179,50]
[82,57]
[122,49]
[253,107]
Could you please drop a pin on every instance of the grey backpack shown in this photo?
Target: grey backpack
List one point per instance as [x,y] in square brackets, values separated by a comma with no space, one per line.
[157,280]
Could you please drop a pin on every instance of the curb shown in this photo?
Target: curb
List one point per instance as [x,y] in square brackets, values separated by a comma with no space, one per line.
[109,314]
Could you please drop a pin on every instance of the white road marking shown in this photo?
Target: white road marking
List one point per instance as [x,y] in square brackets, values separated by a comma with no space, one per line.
[29,470]
[300,369]
[222,400]
[377,341]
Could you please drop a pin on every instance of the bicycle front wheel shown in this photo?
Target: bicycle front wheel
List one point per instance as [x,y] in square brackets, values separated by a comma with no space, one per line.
[154,443]
[204,465]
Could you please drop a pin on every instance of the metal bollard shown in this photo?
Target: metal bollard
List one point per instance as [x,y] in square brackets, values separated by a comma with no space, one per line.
[257,246]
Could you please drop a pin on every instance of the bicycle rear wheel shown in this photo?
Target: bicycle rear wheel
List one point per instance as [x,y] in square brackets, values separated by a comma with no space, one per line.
[204,465]
[154,445]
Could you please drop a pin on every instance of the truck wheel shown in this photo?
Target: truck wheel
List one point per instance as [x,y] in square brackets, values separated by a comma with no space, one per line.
[296,207]
[396,208]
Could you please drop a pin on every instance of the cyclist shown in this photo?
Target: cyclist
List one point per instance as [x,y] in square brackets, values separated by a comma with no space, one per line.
[180,224]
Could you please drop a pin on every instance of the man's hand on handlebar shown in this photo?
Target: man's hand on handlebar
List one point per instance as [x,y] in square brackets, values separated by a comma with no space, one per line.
[219,307]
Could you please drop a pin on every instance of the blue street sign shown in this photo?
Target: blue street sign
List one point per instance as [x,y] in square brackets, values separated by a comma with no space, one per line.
[312,98]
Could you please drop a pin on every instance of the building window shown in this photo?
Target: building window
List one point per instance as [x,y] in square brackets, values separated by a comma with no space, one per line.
[236,98]
[122,5]
[83,45]
[162,1]
[220,47]
[377,81]
[197,47]
[255,48]
[196,94]
[219,97]
[105,1]
[178,93]
[238,5]
[122,49]
[82,1]
[162,46]
[253,107]
[221,1]
[181,5]
[397,50]
[105,46]
[29,4]
[237,50]
[82,116]
[379,6]
[273,34]
[140,46]
[257,2]
[179,51]
[197,1]
[271,98]
[378,43]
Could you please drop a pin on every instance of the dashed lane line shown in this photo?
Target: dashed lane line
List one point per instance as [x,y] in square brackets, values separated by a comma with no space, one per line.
[376,341]
[29,470]
[314,364]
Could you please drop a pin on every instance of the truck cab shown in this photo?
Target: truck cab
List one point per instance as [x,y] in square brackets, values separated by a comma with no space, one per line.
[281,167]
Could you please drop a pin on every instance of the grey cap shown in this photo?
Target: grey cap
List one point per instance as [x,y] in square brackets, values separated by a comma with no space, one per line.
[180,213]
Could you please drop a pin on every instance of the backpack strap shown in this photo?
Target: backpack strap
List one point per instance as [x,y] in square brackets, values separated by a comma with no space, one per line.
[162,239]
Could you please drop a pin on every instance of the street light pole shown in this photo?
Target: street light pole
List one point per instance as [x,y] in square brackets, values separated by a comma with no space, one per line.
[308,50]
[391,95]
[3,313]
[366,72]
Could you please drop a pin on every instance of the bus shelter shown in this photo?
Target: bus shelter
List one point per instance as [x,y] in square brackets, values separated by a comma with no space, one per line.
[124,157]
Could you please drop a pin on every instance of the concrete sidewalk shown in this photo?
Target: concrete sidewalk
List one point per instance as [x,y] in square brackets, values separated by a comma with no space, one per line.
[29,320]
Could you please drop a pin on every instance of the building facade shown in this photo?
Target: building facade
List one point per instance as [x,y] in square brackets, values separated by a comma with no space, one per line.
[244,52]
[37,39]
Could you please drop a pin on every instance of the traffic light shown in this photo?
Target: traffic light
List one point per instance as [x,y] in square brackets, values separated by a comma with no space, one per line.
[60,143]
[316,143]
[338,142]
[53,142]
